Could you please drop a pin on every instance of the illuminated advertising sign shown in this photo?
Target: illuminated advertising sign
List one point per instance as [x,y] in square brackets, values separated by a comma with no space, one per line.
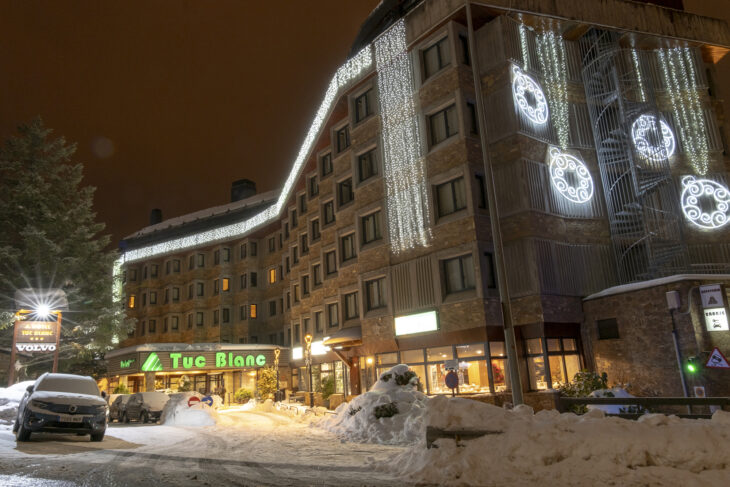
[416,323]
[35,336]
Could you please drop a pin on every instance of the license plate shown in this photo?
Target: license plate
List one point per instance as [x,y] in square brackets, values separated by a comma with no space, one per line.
[69,418]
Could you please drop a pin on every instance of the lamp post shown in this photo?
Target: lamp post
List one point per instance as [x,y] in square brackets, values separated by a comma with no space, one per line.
[308,363]
[277,352]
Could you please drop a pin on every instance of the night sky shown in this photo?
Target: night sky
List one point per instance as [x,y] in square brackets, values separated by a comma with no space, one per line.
[170,101]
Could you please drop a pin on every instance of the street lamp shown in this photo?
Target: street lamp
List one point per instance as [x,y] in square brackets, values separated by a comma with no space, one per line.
[277,352]
[308,363]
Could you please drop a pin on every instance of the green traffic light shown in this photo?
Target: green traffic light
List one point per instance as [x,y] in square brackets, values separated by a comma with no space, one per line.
[691,368]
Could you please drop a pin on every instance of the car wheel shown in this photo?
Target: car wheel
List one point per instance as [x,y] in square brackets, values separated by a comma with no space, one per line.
[22,434]
[143,417]
[97,436]
[125,418]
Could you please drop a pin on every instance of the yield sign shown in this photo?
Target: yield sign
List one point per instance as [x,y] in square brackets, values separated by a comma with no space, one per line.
[717,360]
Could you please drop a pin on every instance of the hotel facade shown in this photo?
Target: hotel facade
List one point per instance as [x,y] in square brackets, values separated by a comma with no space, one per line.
[605,143]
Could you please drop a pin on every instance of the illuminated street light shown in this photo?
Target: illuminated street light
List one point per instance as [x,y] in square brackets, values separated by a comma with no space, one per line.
[43,311]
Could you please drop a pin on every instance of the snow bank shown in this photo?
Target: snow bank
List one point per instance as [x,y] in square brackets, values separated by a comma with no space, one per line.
[9,399]
[395,393]
[610,408]
[567,449]
[178,413]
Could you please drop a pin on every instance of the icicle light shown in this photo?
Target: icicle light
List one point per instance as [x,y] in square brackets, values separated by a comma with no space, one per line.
[407,196]
[344,76]
[680,79]
[552,58]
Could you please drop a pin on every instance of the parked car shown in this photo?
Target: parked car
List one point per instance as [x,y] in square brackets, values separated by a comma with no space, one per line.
[61,403]
[116,408]
[145,406]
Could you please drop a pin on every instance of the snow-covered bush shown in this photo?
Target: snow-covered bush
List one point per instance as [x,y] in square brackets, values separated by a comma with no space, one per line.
[391,412]
[178,413]
[243,395]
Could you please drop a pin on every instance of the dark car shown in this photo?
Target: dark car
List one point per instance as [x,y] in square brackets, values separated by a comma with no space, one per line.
[116,408]
[145,406]
[61,403]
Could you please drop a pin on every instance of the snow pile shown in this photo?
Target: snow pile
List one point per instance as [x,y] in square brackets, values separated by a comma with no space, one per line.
[10,399]
[178,413]
[610,408]
[391,412]
[567,449]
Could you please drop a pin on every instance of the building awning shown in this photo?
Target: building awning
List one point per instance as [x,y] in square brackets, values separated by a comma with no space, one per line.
[347,337]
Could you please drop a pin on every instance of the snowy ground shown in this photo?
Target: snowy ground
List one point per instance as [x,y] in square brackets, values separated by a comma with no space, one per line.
[244,448]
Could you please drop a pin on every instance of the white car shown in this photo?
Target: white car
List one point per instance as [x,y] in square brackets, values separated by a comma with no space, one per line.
[62,403]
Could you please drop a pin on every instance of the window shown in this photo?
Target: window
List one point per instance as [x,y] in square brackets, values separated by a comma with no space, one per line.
[272,245]
[318,322]
[254,279]
[153,326]
[242,251]
[144,299]
[153,270]
[153,297]
[167,296]
[443,125]
[315,230]
[226,254]
[254,247]
[272,275]
[200,289]
[191,262]
[333,317]
[286,230]
[242,312]
[304,244]
[294,219]
[190,321]
[305,285]
[326,163]
[199,318]
[295,293]
[370,225]
[302,204]
[225,284]
[295,255]
[306,326]
[296,333]
[272,308]
[317,274]
[175,322]
[607,329]
[190,291]
[164,326]
[288,300]
[481,191]
[435,58]
[344,192]
[142,328]
[216,317]
[133,274]
[243,281]
[226,315]
[464,44]
[342,137]
[563,359]
[330,262]
[216,287]
[367,165]
[313,186]
[201,260]
[351,311]
[287,265]
[216,257]
[364,106]
[471,112]
[132,301]
[489,273]
[347,246]
[329,212]
[458,274]
[374,294]
[252,311]
[450,197]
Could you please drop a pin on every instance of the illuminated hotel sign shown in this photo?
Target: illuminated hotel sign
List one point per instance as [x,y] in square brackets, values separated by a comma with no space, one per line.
[35,336]
[191,360]
[416,323]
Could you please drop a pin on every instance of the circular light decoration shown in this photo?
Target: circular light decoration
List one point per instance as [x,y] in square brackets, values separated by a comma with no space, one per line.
[570,176]
[705,203]
[643,133]
[529,97]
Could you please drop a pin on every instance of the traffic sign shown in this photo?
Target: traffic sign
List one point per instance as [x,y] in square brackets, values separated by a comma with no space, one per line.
[717,360]
[207,400]
[716,319]
[193,401]
[712,296]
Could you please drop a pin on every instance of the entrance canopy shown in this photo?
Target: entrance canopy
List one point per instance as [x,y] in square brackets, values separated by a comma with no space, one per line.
[347,337]
[189,357]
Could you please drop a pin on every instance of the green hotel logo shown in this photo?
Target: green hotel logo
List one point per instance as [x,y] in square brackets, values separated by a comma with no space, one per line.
[152,364]
[125,364]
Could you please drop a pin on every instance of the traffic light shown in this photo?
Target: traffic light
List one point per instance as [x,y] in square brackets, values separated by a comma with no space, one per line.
[692,365]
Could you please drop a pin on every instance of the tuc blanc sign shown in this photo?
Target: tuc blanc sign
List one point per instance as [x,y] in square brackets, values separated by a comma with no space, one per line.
[190,360]
[35,336]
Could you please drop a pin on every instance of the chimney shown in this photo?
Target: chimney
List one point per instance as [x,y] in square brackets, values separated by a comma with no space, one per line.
[155,216]
[242,189]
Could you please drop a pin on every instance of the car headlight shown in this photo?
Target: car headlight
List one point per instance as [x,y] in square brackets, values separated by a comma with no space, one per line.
[40,404]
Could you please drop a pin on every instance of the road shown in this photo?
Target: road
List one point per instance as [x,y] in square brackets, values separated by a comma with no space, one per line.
[243,449]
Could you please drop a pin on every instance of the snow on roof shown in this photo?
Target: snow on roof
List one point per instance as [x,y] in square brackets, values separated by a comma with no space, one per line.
[251,202]
[190,347]
[635,286]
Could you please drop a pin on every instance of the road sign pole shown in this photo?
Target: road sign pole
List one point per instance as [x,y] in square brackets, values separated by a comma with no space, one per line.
[58,341]
[11,372]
